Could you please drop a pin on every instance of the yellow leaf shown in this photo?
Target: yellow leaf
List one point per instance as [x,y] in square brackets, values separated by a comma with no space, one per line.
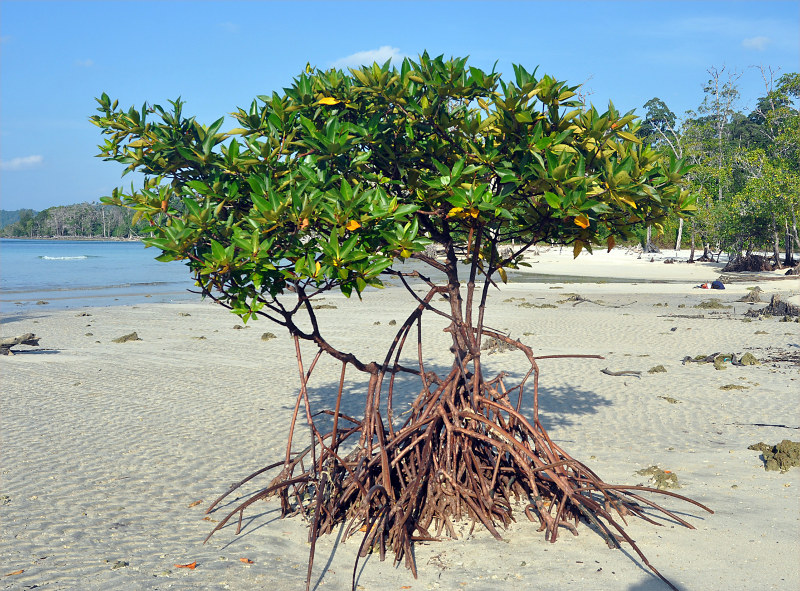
[328,100]
[473,212]
[577,248]
[582,221]
[611,243]
[502,273]
[353,225]
[195,503]
[455,211]
[316,272]
[16,572]
[405,253]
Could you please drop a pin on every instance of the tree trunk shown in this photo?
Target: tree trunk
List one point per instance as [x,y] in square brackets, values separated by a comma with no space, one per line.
[649,246]
[691,253]
[776,243]
[680,236]
[788,257]
[794,229]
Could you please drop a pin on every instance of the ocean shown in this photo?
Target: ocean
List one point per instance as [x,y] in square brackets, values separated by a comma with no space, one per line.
[71,274]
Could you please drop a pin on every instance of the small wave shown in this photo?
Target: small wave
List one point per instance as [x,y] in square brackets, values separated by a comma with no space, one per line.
[76,258]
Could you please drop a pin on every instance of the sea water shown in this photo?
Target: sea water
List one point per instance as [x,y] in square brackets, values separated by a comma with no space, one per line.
[66,274]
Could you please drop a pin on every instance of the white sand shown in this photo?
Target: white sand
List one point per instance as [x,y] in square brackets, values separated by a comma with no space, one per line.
[106,447]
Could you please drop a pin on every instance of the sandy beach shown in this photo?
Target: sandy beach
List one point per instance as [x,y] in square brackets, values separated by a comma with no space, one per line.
[111,452]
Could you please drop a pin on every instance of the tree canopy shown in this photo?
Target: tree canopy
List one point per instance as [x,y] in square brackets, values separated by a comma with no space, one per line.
[330,181]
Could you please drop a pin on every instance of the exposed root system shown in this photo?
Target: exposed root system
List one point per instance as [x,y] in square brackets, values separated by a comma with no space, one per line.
[463,451]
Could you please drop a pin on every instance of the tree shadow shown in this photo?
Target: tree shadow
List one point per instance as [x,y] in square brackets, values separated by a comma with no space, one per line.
[558,405]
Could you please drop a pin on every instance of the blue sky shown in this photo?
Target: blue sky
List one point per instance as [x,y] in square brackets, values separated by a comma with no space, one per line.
[55,57]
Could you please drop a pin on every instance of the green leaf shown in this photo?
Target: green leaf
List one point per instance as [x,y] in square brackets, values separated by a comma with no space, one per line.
[553,200]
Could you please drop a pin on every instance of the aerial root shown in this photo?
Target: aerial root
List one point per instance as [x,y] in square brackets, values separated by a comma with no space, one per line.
[457,456]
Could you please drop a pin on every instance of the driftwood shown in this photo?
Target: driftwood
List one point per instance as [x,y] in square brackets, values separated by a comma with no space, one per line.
[776,307]
[26,339]
[636,374]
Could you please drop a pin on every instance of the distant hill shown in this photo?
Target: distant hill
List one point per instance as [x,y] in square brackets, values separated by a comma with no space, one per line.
[9,217]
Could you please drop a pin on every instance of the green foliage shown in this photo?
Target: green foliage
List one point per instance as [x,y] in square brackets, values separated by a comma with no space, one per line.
[328,183]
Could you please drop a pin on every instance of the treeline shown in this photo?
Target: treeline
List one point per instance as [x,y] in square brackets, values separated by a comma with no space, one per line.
[82,220]
[746,168]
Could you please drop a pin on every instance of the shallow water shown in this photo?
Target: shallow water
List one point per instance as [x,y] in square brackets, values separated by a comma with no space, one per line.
[68,274]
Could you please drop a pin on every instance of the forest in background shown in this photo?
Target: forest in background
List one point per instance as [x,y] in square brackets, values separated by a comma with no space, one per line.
[746,173]
[746,177]
[82,220]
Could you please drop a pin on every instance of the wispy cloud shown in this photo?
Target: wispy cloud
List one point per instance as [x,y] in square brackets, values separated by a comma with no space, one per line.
[758,43]
[229,27]
[84,63]
[380,55]
[21,163]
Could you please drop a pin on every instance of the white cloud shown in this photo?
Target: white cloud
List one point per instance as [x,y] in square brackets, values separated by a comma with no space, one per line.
[380,55]
[84,63]
[758,43]
[21,163]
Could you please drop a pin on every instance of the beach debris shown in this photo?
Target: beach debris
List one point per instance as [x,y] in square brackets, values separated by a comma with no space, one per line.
[268,336]
[492,345]
[238,327]
[246,560]
[325,307]
[195,503]
[191,565]
[776,307]
[532,305]
[184,314]
[28,338]
[733,387]
[657,369]
[14,573]
[660,479]
[754,295]
[633,373]
[128,337]
[719,359]
[781,456]
[5,500]
[747,359]
[712,304]
[42,303]
[670,399]
[82,314]
[120,564]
